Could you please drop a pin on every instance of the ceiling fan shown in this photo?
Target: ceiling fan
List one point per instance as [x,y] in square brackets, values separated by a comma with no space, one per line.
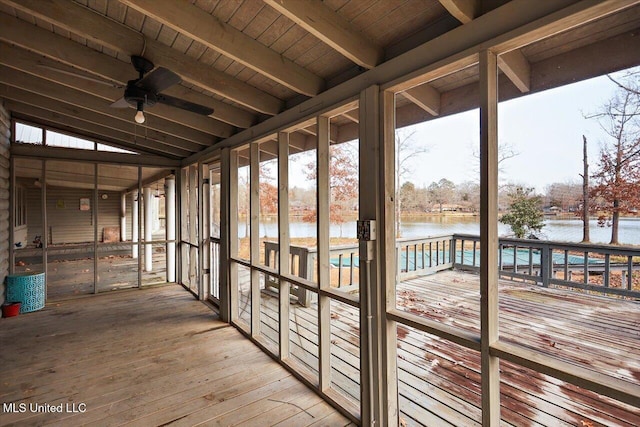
[145,90]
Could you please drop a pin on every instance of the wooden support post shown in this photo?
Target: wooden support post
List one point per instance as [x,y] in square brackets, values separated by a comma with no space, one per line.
[489,237]
[170,225]
[138,226]
[204,196]
[224,264]
[123,217]
[193,221]
[371,328]
[134,223]
[324,267]
[254,236]
[283,240]
[12,219]
[94,215]
[229,234]
[45,224]
[183,203]
[148,229]
[386,226]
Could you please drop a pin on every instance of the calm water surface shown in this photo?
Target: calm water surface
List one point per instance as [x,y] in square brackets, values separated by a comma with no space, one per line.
[564,230]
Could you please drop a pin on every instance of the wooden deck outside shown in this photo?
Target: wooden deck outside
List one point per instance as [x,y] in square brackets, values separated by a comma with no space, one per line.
[145,357]
[440,381]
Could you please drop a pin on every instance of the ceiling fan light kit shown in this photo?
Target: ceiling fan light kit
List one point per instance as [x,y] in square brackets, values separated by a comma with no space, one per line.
[139,118]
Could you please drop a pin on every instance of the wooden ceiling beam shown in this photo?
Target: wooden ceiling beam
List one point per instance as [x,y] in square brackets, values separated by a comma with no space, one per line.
[464,11]
[426,97]
[312,130]
[28,62]
[353,115]
[90,130]
[192,138]
[332,29]
[515,66]
[197,24]
[82,21]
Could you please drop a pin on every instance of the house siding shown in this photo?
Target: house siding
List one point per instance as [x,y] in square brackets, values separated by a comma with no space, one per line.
[66,222]
[5,179]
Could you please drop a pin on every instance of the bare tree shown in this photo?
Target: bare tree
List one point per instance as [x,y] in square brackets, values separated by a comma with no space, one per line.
[618,172]
[626,83]
[506,151]
[406,149]
[586,238]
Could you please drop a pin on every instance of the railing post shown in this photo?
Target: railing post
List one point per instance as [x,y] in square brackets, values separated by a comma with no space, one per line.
[398,267]
[452,251]
[545,268]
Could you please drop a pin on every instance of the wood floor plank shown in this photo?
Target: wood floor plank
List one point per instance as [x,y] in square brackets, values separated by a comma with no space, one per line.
[139,357]
[292,407]
[313,414]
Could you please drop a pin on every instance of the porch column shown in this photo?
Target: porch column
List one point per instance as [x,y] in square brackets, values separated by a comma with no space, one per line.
[170,225]
[489,237]
[148,229]
[123,217]
[372,317]
[134,223]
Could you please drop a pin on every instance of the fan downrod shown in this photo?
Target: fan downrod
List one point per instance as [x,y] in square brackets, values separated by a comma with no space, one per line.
[142,65]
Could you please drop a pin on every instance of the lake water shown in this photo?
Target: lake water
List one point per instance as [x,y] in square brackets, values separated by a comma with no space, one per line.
[564,230]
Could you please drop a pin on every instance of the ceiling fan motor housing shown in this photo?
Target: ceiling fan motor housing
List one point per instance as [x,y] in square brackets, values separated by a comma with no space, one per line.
[134,94]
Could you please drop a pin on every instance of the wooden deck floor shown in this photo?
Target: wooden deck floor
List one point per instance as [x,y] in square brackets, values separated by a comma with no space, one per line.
[439,382]
[145,357]
[70,278]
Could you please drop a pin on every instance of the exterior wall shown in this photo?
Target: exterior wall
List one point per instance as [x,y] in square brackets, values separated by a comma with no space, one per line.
[5,179]
[66,222]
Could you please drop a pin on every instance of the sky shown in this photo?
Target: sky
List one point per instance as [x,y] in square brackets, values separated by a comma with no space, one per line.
[545,128]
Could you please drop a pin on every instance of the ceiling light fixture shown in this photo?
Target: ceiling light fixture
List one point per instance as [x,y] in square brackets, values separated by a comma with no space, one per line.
[140,115]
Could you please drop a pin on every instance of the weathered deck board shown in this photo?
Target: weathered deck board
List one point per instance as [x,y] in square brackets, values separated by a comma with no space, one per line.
[440,382]
[143,357]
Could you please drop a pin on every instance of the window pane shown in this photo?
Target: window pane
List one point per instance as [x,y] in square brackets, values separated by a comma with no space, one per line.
[243,278]
[56,139]
[70,222]
[438,381]
[303,221]
[105,147]
[268,205]
[345,351]
[117,266]
[26,134]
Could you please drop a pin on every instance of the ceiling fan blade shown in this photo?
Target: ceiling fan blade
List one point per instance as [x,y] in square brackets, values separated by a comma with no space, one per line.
[121,103]
[158,80]
[81,76]
[185,105]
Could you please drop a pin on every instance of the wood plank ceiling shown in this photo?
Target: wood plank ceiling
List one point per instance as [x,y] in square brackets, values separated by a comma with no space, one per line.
[63,62]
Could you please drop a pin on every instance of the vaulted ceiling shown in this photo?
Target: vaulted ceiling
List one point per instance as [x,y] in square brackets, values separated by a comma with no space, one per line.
[63,63]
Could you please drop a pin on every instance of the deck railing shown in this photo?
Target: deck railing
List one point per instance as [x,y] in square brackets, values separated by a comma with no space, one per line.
[599,268]
[419,257]
[344,259]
